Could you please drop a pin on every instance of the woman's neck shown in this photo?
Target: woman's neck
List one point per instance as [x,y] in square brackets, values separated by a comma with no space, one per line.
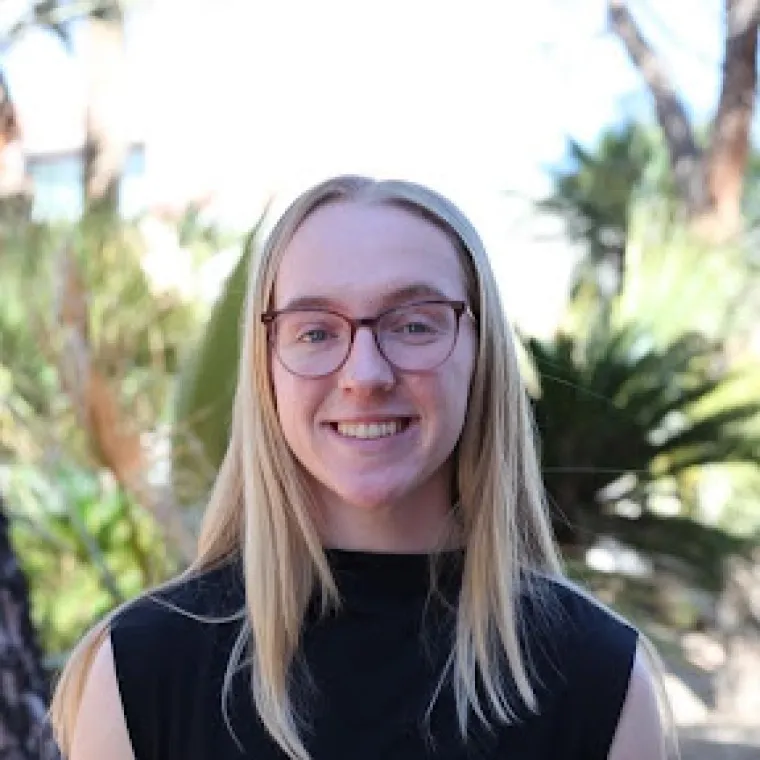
[403,528]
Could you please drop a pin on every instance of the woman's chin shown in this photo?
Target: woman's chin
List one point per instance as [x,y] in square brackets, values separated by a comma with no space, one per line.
[367,499]
[367,488]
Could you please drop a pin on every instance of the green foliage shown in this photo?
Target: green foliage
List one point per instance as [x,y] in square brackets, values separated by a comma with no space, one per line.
[85,543]
[28,381]
[206,387]
[127,313]
[639,392]
[653,607]
[85,546]
[133,335]
[676,283]
[595,194]
[751,195]
[616,405]
[702,548]
[740,510]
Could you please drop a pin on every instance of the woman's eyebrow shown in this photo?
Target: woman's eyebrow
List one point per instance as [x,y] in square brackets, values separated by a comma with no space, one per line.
[392,297]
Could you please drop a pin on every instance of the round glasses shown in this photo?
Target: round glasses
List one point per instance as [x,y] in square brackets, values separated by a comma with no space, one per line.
[414,337]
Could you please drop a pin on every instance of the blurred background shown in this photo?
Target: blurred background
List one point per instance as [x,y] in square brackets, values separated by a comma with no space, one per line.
[608,151]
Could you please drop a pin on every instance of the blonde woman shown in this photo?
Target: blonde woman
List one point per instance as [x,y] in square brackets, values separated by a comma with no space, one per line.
[375,576]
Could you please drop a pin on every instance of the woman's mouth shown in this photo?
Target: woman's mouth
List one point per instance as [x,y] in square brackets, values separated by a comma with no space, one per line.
[372,430]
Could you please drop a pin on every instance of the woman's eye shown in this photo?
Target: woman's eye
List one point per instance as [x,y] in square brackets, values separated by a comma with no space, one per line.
[314,336]
[415,328]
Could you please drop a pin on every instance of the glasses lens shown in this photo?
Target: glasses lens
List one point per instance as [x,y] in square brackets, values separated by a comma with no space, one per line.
[418,336]
[311,343]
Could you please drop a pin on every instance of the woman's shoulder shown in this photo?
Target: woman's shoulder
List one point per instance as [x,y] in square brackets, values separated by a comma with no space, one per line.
[214,592]
[564,607]
[592,649]
[568,630]
[179,613]
[170,651]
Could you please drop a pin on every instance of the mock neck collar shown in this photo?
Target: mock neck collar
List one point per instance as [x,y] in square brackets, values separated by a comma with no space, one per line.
[375,576]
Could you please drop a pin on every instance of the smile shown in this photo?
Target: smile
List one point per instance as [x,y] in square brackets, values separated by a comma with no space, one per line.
[371,430]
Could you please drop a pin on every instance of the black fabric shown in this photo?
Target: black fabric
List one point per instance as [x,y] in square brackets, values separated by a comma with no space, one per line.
[366,674]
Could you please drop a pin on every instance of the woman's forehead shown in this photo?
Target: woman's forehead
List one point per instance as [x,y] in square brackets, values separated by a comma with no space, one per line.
[373,252]
[381,297]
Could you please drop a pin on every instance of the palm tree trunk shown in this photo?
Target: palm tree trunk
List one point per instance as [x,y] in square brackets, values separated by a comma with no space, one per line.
[24,731]
[683,149]
[728,150]
[710,182]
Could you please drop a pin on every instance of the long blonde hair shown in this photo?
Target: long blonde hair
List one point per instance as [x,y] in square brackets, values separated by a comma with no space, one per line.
[260,503]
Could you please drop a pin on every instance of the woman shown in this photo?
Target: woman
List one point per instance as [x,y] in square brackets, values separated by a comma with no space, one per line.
[376,576]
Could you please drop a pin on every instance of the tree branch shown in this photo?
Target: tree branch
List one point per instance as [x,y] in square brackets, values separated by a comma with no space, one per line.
[685,153]
[730,134]
[115,443]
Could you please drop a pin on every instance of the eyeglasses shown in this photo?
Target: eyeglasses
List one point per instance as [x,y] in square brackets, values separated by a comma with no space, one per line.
[414,337]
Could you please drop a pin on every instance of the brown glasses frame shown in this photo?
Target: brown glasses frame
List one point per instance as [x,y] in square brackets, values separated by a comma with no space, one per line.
[459,308]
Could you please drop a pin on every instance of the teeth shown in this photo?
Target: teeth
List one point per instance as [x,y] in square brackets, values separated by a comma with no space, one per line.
[371,430]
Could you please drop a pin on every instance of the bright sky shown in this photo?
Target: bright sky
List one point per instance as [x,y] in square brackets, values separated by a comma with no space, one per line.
[474,97]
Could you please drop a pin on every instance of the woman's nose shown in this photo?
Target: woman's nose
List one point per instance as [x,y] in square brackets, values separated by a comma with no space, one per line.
[366,369]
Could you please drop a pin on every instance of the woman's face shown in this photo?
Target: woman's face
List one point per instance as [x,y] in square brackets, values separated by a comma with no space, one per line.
[360,259]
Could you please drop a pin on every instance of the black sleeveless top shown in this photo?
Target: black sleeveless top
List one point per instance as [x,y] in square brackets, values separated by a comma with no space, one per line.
[371,670]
